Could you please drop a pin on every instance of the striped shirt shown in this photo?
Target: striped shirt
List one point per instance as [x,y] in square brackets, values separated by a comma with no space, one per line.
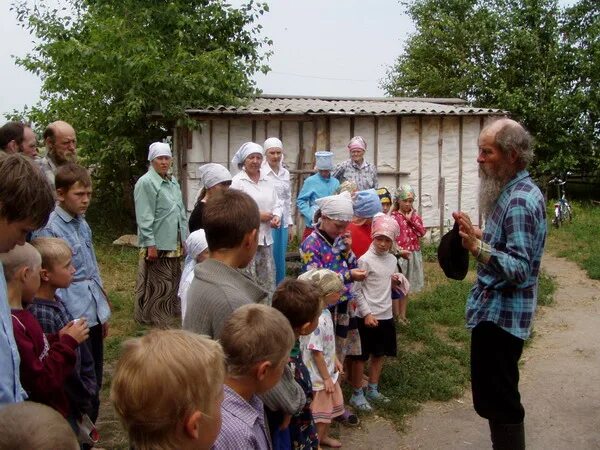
[365,175]
[506,288]
[243,424]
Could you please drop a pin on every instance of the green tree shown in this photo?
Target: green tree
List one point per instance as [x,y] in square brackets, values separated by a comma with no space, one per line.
[506,54]
[123,72]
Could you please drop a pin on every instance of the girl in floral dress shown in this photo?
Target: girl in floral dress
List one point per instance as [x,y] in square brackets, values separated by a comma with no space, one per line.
[409,245]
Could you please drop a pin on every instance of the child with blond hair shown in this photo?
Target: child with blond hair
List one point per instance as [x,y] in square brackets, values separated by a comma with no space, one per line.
[48,308]
[46,361]
[257,340]
[167,389]
[319,355]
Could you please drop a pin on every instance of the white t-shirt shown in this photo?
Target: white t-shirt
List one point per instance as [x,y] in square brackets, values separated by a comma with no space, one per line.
[374,294]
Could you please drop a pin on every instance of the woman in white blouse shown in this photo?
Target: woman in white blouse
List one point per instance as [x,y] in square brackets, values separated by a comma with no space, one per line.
[252,180]
[273,169]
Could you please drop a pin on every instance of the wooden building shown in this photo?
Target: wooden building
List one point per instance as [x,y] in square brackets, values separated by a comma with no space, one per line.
[428,143]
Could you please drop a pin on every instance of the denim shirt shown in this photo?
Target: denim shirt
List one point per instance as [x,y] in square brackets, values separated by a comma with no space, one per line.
[10,386]
[84,297]
[159,211]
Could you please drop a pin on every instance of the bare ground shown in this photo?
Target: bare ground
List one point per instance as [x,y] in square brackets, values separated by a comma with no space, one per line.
[560,383]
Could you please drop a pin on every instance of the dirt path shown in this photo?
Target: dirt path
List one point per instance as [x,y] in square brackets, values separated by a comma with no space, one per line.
[560,383]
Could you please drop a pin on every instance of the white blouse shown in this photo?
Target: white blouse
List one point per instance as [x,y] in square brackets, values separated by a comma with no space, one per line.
[265,196]
[281,181]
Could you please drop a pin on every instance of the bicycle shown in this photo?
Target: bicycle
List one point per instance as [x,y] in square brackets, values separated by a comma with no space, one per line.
[562,209]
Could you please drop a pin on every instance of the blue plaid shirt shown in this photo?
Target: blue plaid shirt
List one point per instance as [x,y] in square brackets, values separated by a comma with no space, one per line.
[84,297]
[506,288]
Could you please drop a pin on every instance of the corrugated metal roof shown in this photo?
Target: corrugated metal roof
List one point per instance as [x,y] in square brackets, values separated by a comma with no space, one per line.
[299,105]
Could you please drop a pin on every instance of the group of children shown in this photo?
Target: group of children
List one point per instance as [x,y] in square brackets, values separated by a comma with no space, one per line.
[58,307]
[239,374]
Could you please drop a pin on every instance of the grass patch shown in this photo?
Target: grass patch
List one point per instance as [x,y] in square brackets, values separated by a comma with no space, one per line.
[578,241]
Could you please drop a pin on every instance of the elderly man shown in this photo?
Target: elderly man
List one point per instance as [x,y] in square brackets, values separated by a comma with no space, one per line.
[17,137]
[357,169]
[61,145]
[502,302]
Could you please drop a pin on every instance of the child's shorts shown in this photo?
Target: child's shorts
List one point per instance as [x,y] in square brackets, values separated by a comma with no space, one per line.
[326,406]
[377,341]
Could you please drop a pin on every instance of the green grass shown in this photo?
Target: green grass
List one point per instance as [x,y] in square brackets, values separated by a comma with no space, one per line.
[578,241]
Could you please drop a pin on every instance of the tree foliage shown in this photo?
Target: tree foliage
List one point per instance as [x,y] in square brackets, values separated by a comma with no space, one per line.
[122,72]
[529,57]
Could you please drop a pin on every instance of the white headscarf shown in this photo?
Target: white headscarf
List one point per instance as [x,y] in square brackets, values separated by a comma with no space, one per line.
[272,142]
[244,151]
[212,174]
[196,244]
[157,149]
[337,207]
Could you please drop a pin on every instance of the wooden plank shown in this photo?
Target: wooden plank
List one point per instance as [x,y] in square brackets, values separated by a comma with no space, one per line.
[375,140]
[420,183]
[441,179]
[398,147]
[210,140]
[460,161]
[229,145]
[253,130]
[299,178]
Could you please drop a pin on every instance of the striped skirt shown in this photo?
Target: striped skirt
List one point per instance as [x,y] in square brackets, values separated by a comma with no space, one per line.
[156,301]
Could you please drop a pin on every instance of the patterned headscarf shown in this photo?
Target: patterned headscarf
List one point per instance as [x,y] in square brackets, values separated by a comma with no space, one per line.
[357,142]
[366,204]
[405,192]
[327,280]
[384,195]
[384,225]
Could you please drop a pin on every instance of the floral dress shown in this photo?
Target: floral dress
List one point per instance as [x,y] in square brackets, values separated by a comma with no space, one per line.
[411,232]
[318,252]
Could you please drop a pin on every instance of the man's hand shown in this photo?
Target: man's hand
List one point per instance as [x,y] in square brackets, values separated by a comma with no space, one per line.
[470,235]
[152,254]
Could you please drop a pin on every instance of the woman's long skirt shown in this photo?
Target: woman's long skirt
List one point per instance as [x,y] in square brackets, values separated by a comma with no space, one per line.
[156,289]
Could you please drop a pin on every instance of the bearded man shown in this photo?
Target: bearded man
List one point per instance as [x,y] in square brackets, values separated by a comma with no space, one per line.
[502,303]
[61,145]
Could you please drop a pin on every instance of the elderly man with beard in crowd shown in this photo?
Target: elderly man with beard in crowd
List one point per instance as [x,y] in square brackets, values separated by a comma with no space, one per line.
[502,303]
[61,143]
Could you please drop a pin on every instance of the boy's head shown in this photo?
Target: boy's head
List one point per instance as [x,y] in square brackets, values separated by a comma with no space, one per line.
[231,220]
[22,268]
[257,340]
[299,301]
[328,283]
[73,188]
[57,261]
[28,425]
[167,389]
[26,200]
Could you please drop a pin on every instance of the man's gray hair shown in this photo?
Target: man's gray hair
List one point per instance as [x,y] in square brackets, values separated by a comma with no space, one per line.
[512,136]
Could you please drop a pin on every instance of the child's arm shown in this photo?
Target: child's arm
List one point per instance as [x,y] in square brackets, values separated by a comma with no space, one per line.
[364,310]
[416,223]
[322,368]
[287,395]
[42,377]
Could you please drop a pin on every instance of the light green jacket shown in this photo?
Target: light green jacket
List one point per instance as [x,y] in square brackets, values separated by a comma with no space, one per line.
[159,211]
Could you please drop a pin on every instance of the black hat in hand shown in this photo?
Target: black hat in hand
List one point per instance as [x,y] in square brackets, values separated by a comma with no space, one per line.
[453,258]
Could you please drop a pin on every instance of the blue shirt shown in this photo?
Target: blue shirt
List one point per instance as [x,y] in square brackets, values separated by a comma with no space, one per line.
[506,288]
[10,386]
[84,297]
[314,188]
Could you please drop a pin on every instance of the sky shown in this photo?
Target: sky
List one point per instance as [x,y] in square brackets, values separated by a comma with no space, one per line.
[339,48]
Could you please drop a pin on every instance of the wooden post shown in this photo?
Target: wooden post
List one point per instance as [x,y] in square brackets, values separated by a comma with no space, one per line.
[460,161]
[254,131]
[210,140]
[299,177]
[228,144]
[398,147]
[375,141]
[441,179]
[420,123]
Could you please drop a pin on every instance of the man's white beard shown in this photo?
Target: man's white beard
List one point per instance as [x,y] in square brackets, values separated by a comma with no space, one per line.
[490,187]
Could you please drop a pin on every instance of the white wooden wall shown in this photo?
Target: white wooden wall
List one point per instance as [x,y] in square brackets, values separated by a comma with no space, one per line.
[437,154]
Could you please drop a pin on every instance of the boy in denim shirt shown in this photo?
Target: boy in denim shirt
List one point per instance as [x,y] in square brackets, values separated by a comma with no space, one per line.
[85,297]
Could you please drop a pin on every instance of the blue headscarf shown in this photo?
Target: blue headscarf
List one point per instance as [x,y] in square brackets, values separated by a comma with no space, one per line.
[366,204]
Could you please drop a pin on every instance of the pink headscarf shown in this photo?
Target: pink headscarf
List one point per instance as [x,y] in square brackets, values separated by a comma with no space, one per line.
[357,142]
[384,225]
